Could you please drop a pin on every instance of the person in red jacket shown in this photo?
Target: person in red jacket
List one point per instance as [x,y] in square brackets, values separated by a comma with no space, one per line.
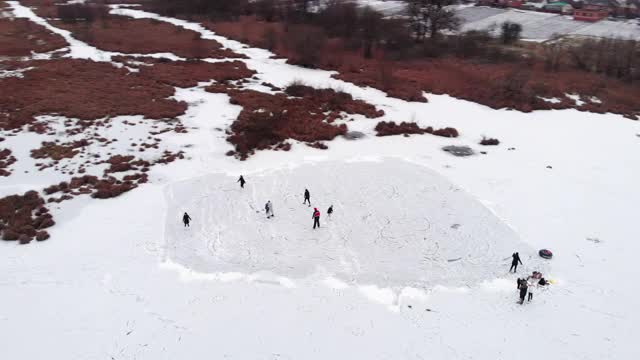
[316,217]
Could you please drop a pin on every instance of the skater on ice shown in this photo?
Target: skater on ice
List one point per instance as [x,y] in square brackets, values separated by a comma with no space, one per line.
[186,219]
[268,208]
[316,218]
[241,181]
[531,284]
[307,197]
[523,290]
[330,211]
[514,262]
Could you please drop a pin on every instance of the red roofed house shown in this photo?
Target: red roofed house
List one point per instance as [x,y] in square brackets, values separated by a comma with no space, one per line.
[512,3]
[591,13]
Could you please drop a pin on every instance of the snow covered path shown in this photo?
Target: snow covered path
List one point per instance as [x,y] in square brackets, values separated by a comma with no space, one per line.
[104,287]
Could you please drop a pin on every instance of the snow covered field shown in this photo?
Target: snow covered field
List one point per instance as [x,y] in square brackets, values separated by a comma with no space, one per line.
[543,26]
[121,279]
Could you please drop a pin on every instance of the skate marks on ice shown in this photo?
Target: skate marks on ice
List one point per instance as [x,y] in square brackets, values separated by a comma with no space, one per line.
[386,230]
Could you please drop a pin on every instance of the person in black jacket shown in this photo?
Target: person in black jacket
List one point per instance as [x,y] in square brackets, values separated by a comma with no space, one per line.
[330,211]
[307,197]
[241,181]
[185,219]
[268,208]
[523,291]
[316,218]
[514,262]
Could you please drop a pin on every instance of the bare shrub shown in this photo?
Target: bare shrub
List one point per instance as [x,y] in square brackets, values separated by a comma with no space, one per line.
[306,43]
[81,12]
[510,32]
[489,141]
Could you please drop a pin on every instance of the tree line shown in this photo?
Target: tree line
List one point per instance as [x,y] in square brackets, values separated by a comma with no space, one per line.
[429,29]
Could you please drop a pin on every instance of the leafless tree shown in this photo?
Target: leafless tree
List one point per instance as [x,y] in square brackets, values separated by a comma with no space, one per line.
[552,53]
[431,17]
[371,22]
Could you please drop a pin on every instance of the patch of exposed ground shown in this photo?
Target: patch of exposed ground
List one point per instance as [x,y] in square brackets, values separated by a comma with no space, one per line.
[389,128]
[188,73]
[20,37]
[56,152]
[301,113]
[6,160]
[85,90]
[144,36]
[24,217]
[123,174]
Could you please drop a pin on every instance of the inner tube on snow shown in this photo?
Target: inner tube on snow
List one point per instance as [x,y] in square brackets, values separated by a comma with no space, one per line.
[545,254]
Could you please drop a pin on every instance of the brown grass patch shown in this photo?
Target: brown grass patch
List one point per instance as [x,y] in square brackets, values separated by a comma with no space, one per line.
[20,37]
[189,73]
[390,128]
[145,36]
[54,151]
[267,120]
[6,160]
[83,89]
[23,216]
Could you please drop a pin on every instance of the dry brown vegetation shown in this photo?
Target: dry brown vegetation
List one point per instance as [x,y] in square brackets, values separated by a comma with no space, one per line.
[144,36]
[20,37]
[24,217]
[54,151]
[189,73]
[6,160]
[83,89]
[302,113]
[499,83]
[389,128]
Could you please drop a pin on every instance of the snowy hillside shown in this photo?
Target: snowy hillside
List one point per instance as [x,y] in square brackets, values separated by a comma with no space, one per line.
[413,264]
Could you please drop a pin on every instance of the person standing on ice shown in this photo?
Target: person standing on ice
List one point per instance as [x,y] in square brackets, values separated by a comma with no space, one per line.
[268,207]
[330,211]
[523,291]
[241,181]
[316,217]
[185,219]
[530,287]
[307,197]
[514,262]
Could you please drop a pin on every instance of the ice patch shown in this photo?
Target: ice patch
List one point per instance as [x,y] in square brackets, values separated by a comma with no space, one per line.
[384,231]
